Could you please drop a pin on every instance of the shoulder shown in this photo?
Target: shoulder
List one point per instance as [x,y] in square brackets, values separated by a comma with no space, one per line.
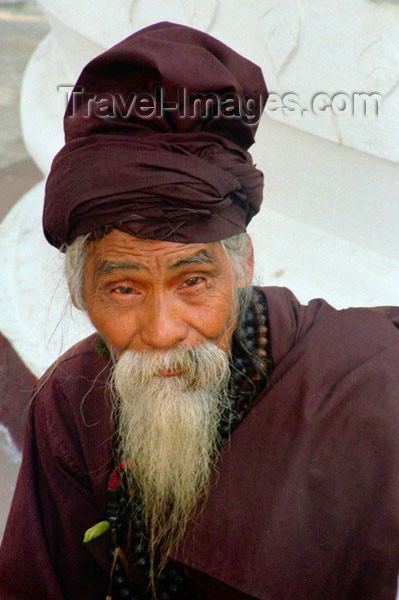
[70,404]
[336,384]
[68,432]
[333,354]
[83,355]
[79,367]
[360,331]
[336,361]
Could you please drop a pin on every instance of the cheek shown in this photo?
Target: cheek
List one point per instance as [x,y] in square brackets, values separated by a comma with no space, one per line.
[216,317]
[116,326]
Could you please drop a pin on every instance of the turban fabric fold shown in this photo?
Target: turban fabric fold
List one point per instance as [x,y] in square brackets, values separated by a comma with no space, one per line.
[180,175]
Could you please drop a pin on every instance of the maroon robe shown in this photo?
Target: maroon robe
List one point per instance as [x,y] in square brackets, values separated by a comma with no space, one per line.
[305,502]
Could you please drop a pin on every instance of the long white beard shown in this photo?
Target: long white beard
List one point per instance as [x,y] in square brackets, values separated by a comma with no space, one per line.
[168,430]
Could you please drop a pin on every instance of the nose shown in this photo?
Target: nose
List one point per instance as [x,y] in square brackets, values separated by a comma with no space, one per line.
[163,325]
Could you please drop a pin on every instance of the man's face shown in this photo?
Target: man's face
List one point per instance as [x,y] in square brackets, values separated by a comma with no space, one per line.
[155,295]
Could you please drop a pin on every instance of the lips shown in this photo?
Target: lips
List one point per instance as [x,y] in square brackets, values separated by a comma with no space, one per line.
[169,372]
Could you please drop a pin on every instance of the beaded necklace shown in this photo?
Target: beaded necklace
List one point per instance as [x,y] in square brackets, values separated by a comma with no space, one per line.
[250,366]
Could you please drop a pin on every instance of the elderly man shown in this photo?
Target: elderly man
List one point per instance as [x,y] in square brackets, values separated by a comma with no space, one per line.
[213,440]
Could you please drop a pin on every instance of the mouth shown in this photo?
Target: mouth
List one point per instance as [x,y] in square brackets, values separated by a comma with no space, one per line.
[169,372]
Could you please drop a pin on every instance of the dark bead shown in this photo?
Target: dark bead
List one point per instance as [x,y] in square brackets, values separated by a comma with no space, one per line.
[225,429]
[138,508]
[118,567]
[246,385]
[173,588]
[237,377]
[261,319]
[249,330]
[113,495]
[246,397]
[256,378]
[140,548]
[111,553]
[111,517]
[120,580]
[250,345]
[165,596]
[142,562]
[137,536]
[249,317]
[261,353]
[176,575]
[232,404]
[231,416]
[125,592]
[137,524]
[244,406]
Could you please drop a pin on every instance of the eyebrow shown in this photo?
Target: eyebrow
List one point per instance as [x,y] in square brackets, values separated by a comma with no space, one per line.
[199,257]
[106,267]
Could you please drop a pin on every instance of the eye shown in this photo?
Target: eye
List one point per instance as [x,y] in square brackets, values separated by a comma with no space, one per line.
[123,289]
[193,281]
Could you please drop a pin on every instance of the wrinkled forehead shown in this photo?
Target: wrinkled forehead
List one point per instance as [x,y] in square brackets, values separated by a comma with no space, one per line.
[119,249]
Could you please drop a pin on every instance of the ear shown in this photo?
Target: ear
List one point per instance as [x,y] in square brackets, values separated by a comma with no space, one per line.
[248,274]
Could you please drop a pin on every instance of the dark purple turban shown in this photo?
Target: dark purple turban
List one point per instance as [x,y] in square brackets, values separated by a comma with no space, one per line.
[157,131]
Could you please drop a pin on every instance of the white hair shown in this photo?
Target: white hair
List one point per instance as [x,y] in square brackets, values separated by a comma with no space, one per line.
[236,247]
[75,259]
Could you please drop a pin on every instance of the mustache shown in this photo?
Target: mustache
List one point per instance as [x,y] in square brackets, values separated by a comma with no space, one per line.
[186,364]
